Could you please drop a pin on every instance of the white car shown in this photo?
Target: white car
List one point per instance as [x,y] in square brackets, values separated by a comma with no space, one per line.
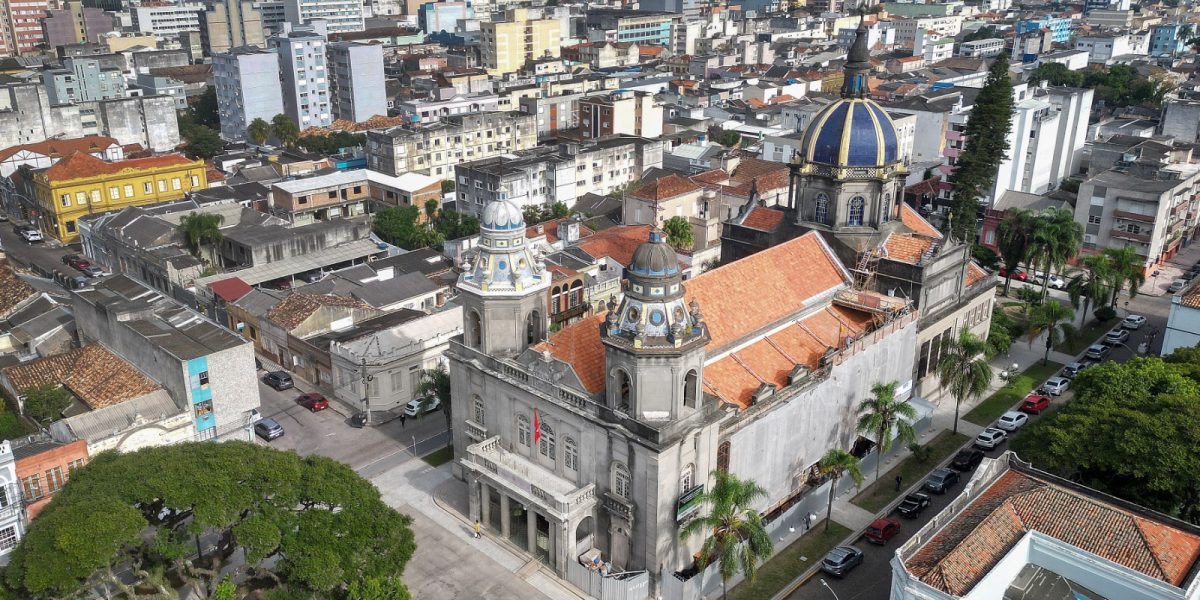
[1056,282]
[1134,322]
[31,235]
[990,438]
[1055,386]
[1012,420]
[413,406]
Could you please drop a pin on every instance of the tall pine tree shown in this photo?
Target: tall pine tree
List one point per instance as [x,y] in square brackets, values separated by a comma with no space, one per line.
[986,147]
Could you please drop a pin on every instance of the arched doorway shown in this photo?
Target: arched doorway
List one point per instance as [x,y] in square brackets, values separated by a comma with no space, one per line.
[474,331]
[585,535]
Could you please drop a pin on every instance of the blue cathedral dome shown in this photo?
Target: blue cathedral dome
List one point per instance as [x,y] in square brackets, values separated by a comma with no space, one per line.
[854,131]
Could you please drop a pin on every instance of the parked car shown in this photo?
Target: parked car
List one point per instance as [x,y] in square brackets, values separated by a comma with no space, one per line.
[882,529]
[1011,420]
[841,559]
[1097,351]
[967,459]
[1034,404]
[413,406]
[311,276]
[1177,286]
[92,271]
[31,235]
[1018,274]
[990,438]
[313,401]
[1134,322]
[941,480]
[913,504]
[71,259]
[1055,386]
[1071,370]
[1116,336]
[268,429]
[280,380]
[1056,282]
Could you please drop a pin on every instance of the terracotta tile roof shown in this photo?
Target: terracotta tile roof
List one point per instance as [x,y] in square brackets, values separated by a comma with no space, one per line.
[617,243]
[60,148]
[78,165]
[579,345]
[230,289]
[97,376]
[13,290]
[906,248]
[770,175]
[294,309]
[763,218]
[650,50]
[664,188]
[550,229]
[749,294]
[975,274]
[967,548]
[917,223]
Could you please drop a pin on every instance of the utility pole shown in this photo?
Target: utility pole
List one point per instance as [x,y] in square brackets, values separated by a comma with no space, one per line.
[366,378]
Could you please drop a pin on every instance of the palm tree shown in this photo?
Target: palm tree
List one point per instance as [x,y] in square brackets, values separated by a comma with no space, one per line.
[1184,32]
[201,229]
[1125,267]
[1057,238]
[435,383]
[963,368]
[679,233]
[835,463]
[884,413]
[258,130]
[1055,320]
[738,538]
[1015,233]
[285,129]
[1090,283]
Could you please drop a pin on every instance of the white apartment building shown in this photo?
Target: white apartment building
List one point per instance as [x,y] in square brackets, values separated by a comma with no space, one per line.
[906,29]
[340,16]
[12,511]
[304,76]
[446,103]
[981,48]
[435,149]
[166,19]
[1103,48]
[1183,322]
[932,47]
[356,80]
[247,84]
[1049,128]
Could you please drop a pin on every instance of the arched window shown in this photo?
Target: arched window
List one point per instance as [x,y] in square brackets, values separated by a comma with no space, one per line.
[575,298]
[533,328]
[523,432]
[857,207]
[624,390]
[474,331]
[723,457]
[571,453]
[886,213]
[620,484]
[821,212]
[555,300]
[477,412]
[546,443]
[686,478]
[689,389]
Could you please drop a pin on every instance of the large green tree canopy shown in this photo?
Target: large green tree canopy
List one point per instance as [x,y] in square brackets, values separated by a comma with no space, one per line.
[278,521]
[1132,431]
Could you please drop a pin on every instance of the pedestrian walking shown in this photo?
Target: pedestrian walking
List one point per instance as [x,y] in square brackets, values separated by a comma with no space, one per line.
[478,529]
[403,418]
[899,482]
[808,519]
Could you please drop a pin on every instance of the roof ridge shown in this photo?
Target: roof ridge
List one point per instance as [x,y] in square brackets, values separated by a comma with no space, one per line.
[1137,522]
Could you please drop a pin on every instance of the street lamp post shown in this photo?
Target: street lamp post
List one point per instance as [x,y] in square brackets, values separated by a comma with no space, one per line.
[826,584]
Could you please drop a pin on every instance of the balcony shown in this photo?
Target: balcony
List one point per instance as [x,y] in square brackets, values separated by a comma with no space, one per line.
[1128,216]
[1125,235]
[525,479]
[475,431]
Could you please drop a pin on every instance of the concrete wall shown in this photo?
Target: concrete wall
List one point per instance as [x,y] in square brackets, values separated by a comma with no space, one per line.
[780,443]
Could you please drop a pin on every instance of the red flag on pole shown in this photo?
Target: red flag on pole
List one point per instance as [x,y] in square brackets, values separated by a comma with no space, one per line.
[537,428]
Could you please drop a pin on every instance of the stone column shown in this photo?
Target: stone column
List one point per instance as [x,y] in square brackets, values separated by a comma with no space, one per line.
[485,505]
[473,509]
[531,527]
[505,514]
[557,530]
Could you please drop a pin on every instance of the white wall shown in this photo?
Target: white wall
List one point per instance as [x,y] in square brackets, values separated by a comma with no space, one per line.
[1183,327]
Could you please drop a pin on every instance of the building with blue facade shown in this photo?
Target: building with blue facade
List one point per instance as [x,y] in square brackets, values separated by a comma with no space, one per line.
[433,17]
[641,27]
[1060,27]
[206,369]
[1164,39]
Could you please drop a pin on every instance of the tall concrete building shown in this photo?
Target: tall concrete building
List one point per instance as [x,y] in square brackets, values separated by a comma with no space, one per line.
[74,24]
[166,19]
[356,80]
[304,77]
[247,84]
[1049,128]
[340,16]
[228,24]
[507,45]
[82,80]
[23,24]
[620,113]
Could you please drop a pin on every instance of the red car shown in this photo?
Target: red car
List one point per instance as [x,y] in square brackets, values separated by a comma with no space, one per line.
[1019,274]
[1034,404]
[883,529]
[313,401]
